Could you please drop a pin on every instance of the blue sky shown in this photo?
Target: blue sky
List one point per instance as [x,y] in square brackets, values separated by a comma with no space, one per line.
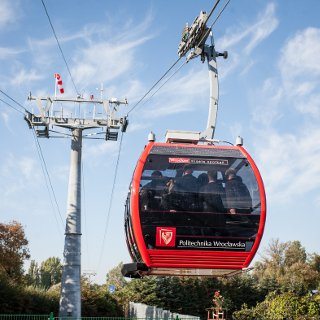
[269,94]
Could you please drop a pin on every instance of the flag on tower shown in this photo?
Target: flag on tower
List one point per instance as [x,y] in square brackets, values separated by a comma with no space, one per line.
[59,83]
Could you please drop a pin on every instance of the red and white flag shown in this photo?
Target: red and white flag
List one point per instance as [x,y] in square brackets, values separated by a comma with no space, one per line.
[58,83]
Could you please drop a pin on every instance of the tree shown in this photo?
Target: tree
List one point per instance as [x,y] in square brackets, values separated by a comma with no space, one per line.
[143,291]
[16,298]
[13,249]
[45,276]
[283,306]
[286,268]
[299,278]
[314,261]
[33,274]
[294,253]
[96,301]
[50,272]
[114,277]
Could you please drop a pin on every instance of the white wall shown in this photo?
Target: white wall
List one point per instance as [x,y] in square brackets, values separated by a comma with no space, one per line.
[143,311]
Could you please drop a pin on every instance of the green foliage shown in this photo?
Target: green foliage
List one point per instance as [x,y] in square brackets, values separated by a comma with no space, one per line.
[50,272]
[239,290]
[16,298]
[33,275]
[143,290]
[285,268]
[114,277]
[299,278]
[314,261]
[45,276]
[245,313]
[278,307]
[278,288]
[182,295]
[96,301]
[294,253]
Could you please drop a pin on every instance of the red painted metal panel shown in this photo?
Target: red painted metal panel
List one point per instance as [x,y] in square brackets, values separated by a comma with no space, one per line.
[263,207]
[192,258]
[134,205]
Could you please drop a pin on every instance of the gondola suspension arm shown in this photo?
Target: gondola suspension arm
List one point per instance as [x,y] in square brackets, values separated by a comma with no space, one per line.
[194,41]
[208,52]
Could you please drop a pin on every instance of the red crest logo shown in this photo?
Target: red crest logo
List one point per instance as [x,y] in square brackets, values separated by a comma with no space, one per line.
[165,237]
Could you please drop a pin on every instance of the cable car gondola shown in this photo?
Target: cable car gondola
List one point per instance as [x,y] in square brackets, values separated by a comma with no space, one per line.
[176,226]
[195,207]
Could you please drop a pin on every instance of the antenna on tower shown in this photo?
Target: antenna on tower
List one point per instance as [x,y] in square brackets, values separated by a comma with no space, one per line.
[101,91]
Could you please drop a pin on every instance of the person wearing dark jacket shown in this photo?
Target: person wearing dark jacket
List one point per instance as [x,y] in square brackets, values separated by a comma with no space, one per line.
[212,194]
[181,192]
[237,194]
[150,194]
[188,182]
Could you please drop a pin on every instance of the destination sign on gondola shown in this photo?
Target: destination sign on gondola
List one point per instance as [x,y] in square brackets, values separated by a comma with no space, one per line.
[220,162]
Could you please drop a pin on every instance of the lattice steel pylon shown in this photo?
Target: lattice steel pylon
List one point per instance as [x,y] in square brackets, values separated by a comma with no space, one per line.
[102,118]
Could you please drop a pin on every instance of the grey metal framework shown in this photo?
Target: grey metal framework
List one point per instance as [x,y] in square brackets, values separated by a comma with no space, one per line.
[103,122]
[193,40]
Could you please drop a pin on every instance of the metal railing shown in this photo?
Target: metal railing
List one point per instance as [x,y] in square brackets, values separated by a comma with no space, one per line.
[52,317]
[24,317]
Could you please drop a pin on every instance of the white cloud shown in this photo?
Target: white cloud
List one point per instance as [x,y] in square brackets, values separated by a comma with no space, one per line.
[265,25]
[7,13]
[136,126]
[300,71]
[290,163]
[300,56]
[235,129]
[311,105]
[179,95]
[289,155]
[296,86]
[102,62]
[243,39]
[19,173]
[267,101]
[61,173]
[6,53]
[5,118]
[23,166]
[105,60]
[227,67]
[255,33]
[100,53]
[26,76]
[99,149]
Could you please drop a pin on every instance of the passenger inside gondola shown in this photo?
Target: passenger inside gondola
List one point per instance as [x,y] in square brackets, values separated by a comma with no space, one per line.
[238,197]
[181,193]
[188,182]
[202,180]
[212,194]
[151,193]
[198,198]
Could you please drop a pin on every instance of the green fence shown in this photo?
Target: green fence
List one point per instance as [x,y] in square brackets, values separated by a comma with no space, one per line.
[25,317]
[51,317]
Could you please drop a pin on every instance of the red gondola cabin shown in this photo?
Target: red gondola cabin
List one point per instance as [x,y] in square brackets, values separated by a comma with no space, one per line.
[193,210]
